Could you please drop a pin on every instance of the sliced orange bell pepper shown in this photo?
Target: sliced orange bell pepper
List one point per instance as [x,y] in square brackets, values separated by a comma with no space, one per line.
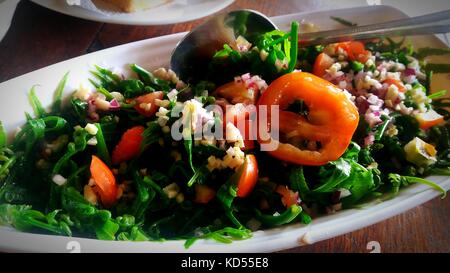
[105,181]
[329,125]
[249,176]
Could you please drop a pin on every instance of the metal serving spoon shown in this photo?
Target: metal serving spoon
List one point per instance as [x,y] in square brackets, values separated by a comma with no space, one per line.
[433,23]
[192,54]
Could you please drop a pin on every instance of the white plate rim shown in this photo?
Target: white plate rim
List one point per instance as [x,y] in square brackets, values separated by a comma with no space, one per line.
[273,240]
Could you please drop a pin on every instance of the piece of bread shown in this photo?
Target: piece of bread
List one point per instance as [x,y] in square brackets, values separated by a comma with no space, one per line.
[135,5]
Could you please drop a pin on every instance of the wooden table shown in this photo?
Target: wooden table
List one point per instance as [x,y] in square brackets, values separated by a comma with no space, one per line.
[39,37]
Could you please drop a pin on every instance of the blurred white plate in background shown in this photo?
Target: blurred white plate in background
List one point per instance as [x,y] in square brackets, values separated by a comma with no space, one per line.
[7,8]
[176,11]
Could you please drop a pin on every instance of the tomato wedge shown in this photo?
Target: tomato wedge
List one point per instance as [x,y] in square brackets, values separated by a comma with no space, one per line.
[203,194]
[356,51]
[429,119]
[249,176]
[401,87]
[288,197]
[247,132]
[323,134]
[145,104]
[129,145]
[322,63]
[105,181]
[237,93]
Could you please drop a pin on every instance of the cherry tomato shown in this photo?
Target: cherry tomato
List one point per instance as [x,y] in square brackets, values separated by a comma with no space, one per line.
[145,104]
[249,176]
[429,119]
[203,194]
[321,136]
[105,181]
[129,145]
[322,63]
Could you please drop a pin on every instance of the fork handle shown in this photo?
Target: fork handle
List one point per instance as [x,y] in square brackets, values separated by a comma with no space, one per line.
[433,23]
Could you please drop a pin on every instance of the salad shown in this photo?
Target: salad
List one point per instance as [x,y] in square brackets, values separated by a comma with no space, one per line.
[275,133]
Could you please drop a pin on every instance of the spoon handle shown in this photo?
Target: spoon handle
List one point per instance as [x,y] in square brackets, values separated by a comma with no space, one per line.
[433,23]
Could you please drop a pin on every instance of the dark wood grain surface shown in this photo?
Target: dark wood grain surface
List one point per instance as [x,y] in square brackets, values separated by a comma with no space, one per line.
[39,37]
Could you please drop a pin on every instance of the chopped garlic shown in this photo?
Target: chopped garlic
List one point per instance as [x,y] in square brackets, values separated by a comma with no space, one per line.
[179,198]
[392,93]
[59,179]
[171,190]
[91,129]
[162,103]
[90,195]
[242,44]
[263,55]
[92,141]
[83,93]
[102,104]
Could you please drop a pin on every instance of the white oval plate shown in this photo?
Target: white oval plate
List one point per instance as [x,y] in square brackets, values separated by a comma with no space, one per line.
[154,53]
[177,11]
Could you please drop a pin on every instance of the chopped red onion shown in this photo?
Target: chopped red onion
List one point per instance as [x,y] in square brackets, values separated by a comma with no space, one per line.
[410,72]
[114,105]
[362,104]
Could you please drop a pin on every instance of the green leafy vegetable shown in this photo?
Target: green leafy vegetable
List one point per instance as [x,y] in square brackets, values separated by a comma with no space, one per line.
[357,66]
[438,68]
[298,181]
[188,143]
[382,128]
[333,174]
[437,94]
[429,51]
[78,145]
[57,101]
[102,149]
[23,218]
[95,221]
[285,217]
[225,235]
